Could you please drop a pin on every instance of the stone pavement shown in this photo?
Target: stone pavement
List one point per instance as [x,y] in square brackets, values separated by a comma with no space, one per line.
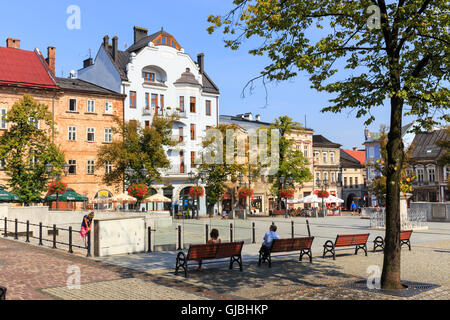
[30,272]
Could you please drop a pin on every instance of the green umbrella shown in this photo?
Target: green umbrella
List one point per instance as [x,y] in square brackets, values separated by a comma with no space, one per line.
[70,195]
[8,197]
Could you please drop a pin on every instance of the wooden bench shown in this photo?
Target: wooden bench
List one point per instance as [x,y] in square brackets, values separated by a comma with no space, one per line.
[210,252]
[405,239]
[2,293]
[288,245]
[359,241]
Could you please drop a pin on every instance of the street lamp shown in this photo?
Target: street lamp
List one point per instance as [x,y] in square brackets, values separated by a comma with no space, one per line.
[197,178]
[323,184]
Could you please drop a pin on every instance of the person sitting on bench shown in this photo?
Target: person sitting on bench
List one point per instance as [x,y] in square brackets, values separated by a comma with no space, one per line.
[214,239]
[268,240]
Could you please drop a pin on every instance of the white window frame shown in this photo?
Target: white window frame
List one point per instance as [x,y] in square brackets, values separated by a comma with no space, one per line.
[73,165]
[108,107]
[108,167]
[332,157]
[429,175]
[108,135]
[92,130]
[325,157]
[3,124]
[72,133]
[333,177]
[90,106]
[421,174]
[305,151]
[90,167]
[36,122]
[2,164]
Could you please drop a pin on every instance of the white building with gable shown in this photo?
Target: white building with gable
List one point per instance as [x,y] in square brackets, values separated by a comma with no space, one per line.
[158,77]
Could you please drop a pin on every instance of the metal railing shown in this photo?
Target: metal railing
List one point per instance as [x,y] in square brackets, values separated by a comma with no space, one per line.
[51,230]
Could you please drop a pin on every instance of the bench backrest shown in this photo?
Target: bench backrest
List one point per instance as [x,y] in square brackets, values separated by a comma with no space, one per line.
[286,245]
[214,251]
[405,235]
[351,240]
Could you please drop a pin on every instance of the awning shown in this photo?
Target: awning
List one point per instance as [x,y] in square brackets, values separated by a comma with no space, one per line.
[5,196]
[70,195]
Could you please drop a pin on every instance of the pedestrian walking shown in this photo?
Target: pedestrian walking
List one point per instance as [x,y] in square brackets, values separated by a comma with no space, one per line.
[353,207]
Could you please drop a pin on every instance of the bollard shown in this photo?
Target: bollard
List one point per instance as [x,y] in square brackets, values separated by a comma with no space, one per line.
[149,239]
[28,232]
[309,230]
[254,233]
[16,236]
[179,238]
[231,232]
[6,228]
[70,239]
[54,236]
[207,233]
[40,233]
[89,245]
[292,229]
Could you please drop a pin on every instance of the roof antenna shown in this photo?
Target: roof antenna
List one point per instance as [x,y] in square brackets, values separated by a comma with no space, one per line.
[306,126]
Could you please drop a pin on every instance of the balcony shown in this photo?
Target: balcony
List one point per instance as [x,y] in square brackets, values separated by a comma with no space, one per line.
[147,112]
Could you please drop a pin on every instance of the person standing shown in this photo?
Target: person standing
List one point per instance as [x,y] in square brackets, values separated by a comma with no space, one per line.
[353,207]
[86,227]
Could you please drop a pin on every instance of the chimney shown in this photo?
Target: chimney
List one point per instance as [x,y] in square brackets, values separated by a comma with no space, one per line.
[87,63]
[106,42]
[13,43]
[115,49]
[201,62]
[355,149]
[51,59]
[258,117]
[139,33]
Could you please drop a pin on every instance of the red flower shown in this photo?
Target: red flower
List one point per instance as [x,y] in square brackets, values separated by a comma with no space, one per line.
[139,191]
[287,193]
[323,194]
[195,192]
[246,192]
[57,187]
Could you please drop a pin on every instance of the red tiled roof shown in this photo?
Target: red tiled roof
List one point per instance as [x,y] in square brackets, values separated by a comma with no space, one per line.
[24,68]
[358,155]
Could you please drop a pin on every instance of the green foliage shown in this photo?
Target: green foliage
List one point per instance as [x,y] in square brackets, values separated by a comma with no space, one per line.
[26,149]
[138,147]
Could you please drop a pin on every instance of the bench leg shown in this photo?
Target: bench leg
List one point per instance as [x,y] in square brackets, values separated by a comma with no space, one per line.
[378,243]
[405,242]
[307,252]
[269,259]
[329,248]
[181,263]
[363,247]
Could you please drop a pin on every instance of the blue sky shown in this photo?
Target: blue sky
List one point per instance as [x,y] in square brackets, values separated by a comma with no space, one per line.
[39,24]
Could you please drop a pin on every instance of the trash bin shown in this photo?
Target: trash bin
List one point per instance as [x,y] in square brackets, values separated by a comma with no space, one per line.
[2,293]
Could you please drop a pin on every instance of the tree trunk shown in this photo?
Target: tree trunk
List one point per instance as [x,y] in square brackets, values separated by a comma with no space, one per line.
[390,278]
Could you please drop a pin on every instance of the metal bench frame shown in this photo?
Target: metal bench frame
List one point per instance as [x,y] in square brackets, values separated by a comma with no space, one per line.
[379,241]
[183,259]
[330,246]
[303,251]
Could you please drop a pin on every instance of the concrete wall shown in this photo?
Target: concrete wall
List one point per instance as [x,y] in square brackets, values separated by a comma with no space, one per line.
[436,211]
[119,236]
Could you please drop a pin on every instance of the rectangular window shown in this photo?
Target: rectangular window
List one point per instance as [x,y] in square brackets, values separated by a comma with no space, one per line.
[149,77]
[325,157]
[181,133]
[72,133]
[147,124]
[3,122]
[72,167]
[419,175]
[73,105]
[91,106]
[147,100]
[34,122]
[155,102]
[332,157]
[325,176]
[316,156]
[193,159]
[305,151]
[208,107]
[108,135]
[182,168]
[108,167]
[108,107]
[317,176]
[351,183]
[193,104]
[181,104]
[90,134]
[356,183]
[431,175]
[193,132]
[90,167]
[345,182]
[333,177]
[161,102]
[133,99]
[2,164]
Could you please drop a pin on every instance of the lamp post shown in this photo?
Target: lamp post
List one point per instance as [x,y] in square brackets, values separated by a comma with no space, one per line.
[241,183]
[323,184]
[49,169]
[197,179]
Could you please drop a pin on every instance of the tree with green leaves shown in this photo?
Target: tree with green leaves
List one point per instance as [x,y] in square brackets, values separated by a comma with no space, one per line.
[396,51]
[27,147]
[137,148]
[292,162]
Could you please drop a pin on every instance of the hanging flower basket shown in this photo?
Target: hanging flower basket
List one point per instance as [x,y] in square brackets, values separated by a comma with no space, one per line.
[196,192]
[246,192]
[139,191]
[323,194]
[287,193]
[57,187]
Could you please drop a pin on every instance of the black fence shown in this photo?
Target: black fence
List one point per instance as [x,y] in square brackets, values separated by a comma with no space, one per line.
[51,230]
